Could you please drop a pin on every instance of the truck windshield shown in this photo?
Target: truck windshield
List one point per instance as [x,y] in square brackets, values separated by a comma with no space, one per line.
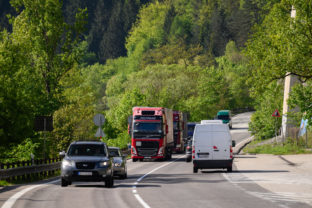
[223,117]
[147,127]
[86,150]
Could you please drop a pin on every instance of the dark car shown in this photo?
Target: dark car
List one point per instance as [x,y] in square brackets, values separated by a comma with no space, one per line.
[188,151]
[119,162]
[87,161]
[190,129]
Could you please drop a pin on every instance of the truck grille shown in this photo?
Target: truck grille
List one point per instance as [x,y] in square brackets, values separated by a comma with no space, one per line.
[85,165]
[147,152]
[148,148]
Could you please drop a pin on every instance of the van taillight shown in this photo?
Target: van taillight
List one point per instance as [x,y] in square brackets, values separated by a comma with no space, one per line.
[231,152]
[215,147]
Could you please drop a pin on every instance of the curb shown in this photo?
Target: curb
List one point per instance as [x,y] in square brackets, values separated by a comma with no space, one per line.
[242,145]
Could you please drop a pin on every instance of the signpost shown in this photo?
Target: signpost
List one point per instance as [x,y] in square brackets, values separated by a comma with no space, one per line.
[99,120]
[43,123]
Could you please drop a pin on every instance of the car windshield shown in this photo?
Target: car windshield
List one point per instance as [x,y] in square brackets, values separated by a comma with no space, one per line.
[86,150]
[223,117]
[114,153]
[147,127]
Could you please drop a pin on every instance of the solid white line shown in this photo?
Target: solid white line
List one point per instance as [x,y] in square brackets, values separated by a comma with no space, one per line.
[11,201]
[137,196]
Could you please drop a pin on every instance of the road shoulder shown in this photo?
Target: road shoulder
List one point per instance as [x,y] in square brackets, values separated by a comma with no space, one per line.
[288,175]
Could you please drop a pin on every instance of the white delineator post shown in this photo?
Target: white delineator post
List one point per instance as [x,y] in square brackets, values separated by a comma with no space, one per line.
[290,80]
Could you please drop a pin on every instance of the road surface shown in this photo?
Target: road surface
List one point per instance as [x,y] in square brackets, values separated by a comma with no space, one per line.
[152,184]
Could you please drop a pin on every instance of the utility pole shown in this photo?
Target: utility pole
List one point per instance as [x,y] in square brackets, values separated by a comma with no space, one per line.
[290,80]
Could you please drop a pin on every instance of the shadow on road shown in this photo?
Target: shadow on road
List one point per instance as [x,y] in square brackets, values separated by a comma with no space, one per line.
[243,157]
[233,128]
[260,171]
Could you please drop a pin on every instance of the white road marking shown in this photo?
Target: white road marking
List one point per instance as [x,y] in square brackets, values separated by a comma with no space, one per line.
[137,196]
[11,201]
[142,202]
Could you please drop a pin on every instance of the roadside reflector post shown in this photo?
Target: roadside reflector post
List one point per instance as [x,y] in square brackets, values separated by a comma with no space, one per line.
[276,115]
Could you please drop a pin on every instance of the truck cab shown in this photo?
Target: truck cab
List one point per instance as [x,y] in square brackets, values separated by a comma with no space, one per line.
[151,130]
[225,116]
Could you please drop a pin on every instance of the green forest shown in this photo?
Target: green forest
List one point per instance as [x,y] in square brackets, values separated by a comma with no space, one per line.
[73,59]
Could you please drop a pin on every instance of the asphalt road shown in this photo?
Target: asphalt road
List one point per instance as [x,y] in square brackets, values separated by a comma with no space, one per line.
[150,184]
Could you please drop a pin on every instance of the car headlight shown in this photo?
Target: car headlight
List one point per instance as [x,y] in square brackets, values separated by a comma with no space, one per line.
[104,164]
[67,163]
[117,164]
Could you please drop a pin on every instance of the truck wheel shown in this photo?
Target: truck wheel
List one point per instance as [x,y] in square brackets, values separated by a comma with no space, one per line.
[195,170]
[134,159]
[229,169]
[64,183]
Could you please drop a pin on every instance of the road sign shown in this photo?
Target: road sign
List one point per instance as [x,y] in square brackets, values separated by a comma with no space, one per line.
[276,114]
[98,120]
[43,123]
[99,133]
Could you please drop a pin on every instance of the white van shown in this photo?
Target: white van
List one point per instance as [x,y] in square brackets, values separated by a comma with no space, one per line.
[210,121]
[212,147]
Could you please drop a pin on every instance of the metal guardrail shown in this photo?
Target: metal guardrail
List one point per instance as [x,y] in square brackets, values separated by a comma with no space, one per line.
[12,172]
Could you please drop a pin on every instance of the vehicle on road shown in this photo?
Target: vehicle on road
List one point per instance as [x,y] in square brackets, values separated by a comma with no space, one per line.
[212,147]
[87,161]
[179,131]
[151,130]
[190,129]
[225,116]
[188,151]
[119,162]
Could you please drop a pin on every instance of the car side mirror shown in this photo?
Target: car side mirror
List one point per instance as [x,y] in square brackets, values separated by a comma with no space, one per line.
[233,143]
[62,154]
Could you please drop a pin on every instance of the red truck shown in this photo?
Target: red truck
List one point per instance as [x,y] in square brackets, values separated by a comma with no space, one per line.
[151,130]
[179,130]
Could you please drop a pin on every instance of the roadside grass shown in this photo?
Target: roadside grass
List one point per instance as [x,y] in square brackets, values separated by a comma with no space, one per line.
[33,178]
[301,145]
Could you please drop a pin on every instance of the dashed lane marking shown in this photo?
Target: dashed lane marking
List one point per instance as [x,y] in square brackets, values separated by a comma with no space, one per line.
[134,191]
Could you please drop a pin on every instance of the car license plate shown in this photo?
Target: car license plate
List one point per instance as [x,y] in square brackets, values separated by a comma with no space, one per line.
[203,155]
[85,173]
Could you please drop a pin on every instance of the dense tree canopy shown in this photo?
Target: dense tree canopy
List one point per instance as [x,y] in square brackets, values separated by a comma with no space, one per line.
[181,54]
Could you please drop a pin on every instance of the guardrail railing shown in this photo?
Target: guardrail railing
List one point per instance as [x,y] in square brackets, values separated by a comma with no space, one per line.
[24,170]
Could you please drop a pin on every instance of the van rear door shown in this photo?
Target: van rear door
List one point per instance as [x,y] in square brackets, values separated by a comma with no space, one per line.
[203,142]
[221,142]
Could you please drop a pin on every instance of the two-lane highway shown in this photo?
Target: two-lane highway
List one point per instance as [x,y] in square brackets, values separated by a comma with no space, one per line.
[152,184]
